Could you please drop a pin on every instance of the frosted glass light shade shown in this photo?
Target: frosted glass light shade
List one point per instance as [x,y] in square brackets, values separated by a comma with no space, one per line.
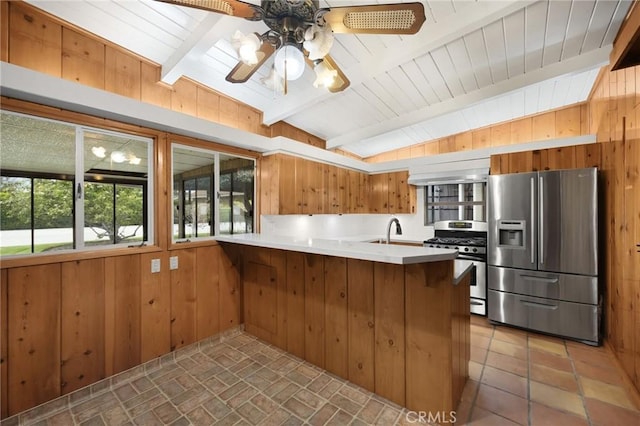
[291,57]
[324,76]
[246,46]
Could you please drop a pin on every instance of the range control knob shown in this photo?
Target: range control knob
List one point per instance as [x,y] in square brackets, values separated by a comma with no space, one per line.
[466,249]
[475,250]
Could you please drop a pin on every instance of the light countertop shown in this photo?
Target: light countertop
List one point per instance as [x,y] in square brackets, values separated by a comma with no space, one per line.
[349,248]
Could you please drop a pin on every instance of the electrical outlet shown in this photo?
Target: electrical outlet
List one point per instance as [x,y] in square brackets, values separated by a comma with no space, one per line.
[173,262]
[155,266]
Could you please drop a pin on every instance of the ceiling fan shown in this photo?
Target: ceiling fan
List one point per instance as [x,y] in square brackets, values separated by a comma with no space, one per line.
[300,32]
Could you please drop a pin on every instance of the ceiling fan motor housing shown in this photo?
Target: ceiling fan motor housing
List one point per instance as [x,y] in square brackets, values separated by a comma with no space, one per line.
[289,16]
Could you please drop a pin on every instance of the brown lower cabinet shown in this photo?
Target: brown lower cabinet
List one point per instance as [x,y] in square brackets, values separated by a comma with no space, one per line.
[401,331]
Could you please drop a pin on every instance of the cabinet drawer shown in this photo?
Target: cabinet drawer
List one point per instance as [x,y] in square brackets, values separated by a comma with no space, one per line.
[574,320]
[548,285]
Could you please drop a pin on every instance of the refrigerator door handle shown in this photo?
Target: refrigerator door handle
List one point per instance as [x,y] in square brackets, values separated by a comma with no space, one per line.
[538,305]
[541,219]
[533,203]
[541,279]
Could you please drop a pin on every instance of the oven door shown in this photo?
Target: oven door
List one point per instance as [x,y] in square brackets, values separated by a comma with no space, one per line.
[478,284]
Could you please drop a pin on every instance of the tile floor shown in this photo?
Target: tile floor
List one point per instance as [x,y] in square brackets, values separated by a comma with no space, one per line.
[515,378]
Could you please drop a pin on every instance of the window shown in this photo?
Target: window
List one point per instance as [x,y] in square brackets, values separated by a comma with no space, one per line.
[65,187]
[212,193]
[455,201]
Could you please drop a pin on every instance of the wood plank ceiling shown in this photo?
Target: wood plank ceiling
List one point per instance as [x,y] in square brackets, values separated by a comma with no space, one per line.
[473,63]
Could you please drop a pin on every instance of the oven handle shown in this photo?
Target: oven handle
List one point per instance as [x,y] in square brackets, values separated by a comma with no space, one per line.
[479,258]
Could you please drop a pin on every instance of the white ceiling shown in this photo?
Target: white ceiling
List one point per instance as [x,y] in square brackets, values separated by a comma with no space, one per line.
[472,64]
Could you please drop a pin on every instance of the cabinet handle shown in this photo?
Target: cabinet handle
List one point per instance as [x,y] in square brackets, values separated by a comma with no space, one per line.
[538,305]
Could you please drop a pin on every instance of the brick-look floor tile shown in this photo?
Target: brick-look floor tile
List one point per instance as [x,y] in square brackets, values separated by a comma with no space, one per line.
[200,416]
[231,391]
[61,419]
[286,393]
[298,378]
[323,414]
[217,408]
[355,394]
[298,408]
[277,417]
[388,416]
[125,391]
[370,411]
[94,421]
[250,412]
[345,404]
[148,418]
[310,399]
[142,384]
[340,418]
[171,388]
[166,412]
[319,382]
[147,405]
[115,416]
[241,397]
[331,388]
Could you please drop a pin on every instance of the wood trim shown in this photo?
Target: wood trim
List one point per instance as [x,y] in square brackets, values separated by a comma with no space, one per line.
[626,37]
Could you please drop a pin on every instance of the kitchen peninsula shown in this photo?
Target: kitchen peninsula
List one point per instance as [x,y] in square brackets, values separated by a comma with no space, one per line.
[393,319]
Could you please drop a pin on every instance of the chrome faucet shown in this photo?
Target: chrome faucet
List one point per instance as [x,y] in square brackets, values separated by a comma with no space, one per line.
[398,228]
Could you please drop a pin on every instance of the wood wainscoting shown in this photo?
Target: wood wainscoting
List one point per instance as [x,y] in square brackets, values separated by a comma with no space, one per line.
[66,325]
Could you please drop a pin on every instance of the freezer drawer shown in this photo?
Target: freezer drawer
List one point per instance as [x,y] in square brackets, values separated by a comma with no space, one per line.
[573,320]
[550,285]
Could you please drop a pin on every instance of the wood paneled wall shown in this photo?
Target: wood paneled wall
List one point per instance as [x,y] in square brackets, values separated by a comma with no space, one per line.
[291,185]
[36,40]
[561,123]
[372,323]
[69,324]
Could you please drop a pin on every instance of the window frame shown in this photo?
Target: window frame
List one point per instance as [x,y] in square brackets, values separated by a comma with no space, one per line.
[79,178]
[217,152]
[428,204]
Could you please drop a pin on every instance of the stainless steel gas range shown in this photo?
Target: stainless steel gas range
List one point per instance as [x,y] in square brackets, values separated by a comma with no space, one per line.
[470,239]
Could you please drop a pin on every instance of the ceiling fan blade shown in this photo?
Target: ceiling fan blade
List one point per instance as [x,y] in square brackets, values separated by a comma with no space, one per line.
[401,18]
[341,82]
[243,72]
[228,7]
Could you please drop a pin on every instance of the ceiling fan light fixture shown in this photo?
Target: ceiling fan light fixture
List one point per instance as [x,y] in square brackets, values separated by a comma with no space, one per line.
[325,77]
[289,62]
[246,46]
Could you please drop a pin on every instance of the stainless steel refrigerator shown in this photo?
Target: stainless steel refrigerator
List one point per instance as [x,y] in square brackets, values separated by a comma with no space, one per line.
[543,252]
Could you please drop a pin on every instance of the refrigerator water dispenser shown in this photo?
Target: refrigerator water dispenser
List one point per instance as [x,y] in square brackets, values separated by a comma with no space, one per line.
[511,233]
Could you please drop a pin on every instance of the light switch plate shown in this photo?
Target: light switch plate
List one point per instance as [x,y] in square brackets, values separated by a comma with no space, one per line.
[173,262]
[155,266]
